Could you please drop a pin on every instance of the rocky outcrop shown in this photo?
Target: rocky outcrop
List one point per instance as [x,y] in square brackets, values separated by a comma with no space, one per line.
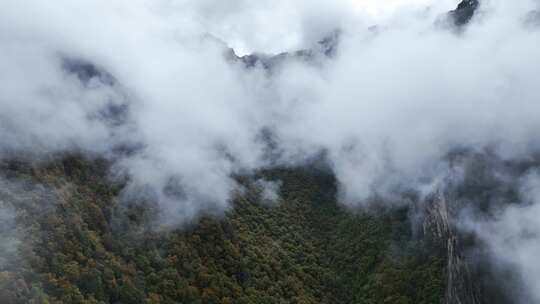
[438,226]
[464,12]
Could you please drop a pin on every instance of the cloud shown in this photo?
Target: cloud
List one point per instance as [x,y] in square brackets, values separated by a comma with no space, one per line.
[151,86]
[148,84]
[393,104]
[18,198]
[269,190]
[512,238]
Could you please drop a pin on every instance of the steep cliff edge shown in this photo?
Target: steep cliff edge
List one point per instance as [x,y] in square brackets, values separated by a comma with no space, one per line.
[439,225]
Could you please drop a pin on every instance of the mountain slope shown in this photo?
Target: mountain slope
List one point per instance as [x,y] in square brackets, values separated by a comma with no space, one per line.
[79,244]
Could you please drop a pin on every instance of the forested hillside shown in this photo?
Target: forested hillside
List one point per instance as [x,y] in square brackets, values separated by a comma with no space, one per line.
[75,241]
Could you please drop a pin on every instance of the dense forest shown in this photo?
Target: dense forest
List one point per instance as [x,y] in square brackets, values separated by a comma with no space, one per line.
[73,240]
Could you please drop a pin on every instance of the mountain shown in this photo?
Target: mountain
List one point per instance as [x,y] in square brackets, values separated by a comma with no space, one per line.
[69,234]
[323,49]
[68,237]
[80,244]
[464,12]
[328,45]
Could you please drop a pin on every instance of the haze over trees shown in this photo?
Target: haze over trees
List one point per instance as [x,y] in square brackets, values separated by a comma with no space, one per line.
[272,151]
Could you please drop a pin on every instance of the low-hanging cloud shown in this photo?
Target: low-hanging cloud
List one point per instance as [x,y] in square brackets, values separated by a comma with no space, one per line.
[150,85]
[153,87]
[511,237]
[395,102]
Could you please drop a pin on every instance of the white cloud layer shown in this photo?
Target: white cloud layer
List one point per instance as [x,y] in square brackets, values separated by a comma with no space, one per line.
[514,239]
[386,109]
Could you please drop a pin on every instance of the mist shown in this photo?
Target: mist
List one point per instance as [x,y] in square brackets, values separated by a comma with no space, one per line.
[385,109]
[151,86]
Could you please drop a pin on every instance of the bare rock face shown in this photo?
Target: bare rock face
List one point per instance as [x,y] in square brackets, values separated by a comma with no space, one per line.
[439,227]
[459,17]
[464,12]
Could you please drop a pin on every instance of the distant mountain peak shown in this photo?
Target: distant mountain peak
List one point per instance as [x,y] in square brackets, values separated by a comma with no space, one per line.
[326,47]
[464,12]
